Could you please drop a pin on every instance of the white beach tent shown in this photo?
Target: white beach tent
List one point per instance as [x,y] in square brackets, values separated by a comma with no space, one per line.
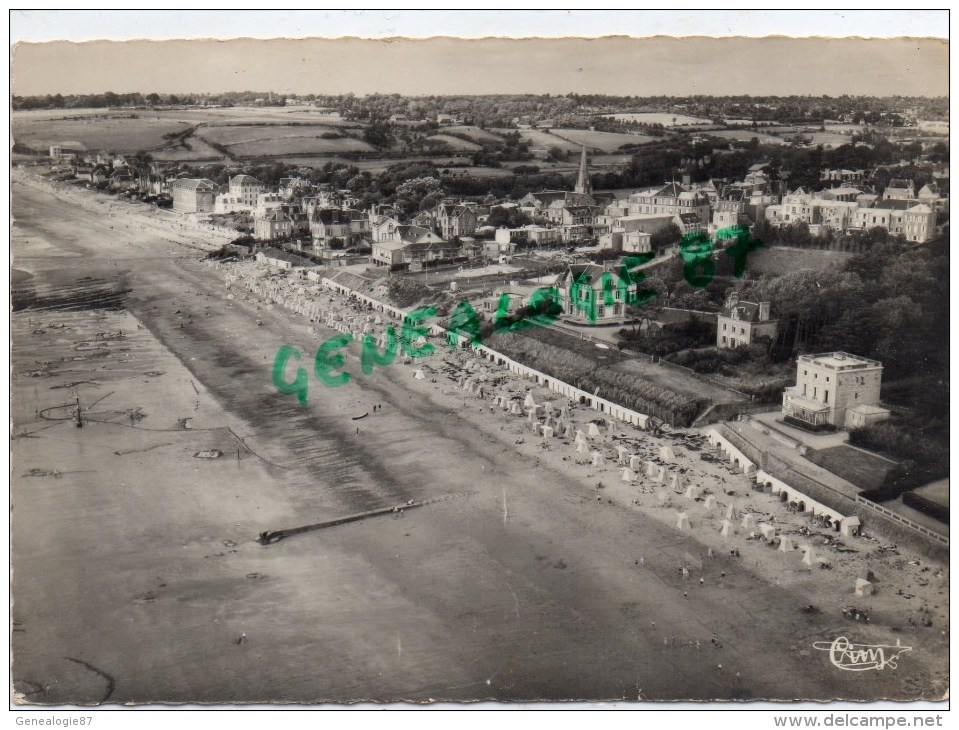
[622,454]
[581,437]
[663,496]
[636,463]
[676,482]
[809,556]
[692,492]
[598,459]
[628,474]
[749,521]
[864,587]
[547,432]
[768,531]
[709,504]
[661,477]
[786,545]
[581,448]
[651,469]
[666,453]
[419,375]
[727,529]
[529,402]
[593,431]
[732,513]
[682,521]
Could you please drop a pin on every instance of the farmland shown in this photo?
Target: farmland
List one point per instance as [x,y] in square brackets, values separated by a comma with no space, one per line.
[603,141]
[664,118]
[453,142]
[776,260]
[475,133]
[280,140]
[122,133]
[540,140]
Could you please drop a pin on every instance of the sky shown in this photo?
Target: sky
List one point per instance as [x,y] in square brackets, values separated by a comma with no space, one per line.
[610,65]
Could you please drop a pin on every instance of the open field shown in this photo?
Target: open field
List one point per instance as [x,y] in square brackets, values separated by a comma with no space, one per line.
[603,141]
[290,145]
[540,140]
[453,142]
[666,119]
[116,132]
[744,135]
[474,133]
[776,260]
[198,150]
[234,134]
[865,470]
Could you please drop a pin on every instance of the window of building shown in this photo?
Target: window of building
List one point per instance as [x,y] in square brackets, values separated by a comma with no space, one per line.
[815,392]
[825,396]
[724,339]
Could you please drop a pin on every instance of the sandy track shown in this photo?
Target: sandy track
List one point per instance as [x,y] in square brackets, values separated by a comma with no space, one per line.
[527,589]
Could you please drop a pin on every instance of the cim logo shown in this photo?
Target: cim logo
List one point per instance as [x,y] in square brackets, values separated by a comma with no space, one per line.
[850,657]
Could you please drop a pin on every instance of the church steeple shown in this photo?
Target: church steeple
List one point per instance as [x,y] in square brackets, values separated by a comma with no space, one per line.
[583,185]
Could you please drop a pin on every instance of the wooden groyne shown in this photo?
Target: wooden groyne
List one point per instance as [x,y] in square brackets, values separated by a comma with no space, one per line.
[271,536]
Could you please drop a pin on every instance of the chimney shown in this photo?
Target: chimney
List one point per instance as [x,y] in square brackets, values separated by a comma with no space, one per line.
[763,311]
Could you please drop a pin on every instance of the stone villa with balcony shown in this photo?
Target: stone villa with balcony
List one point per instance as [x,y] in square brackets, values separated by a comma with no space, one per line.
[834,390]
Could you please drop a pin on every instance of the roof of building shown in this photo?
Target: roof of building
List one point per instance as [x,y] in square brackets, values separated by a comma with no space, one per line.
[274,215]
[929,189]
[333,216]
[451,210]
[245,180]
[841,361]
[900,184]
[744,311]
[894,204]
[278,255]
[192,183]
[688,218]
[868,410]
